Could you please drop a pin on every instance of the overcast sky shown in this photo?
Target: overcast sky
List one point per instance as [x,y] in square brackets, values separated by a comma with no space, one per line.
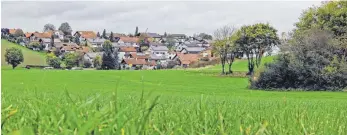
[172,17]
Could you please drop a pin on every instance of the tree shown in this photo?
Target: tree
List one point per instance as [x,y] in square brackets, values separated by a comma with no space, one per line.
[111,37]
[65,28]
[14,56]
[18,33]
[224,46]
[71,59]
[104,34]
[331,16]
[110,56]
[36,45]
[53,60]
[77,39]
[136,31]
[98,35]
[48,27]
[52,41]
[205,36]
[310,63]
[254,40]
[97,62]
[165,35]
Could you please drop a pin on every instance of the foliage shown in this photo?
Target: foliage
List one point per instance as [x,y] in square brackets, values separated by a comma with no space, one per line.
[104,34]
[35,45]
[18,33]
[110,56]
[137,31]
[331,16]
[53,60]
[97,62]
[71,59]
[254,40]
[77,39]
[98,34]
[111,37]
[48,27]
[310,63]
[14,56]
[205,36]
[224,46]
[65,28]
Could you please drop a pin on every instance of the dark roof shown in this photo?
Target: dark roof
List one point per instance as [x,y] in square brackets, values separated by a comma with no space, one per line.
[159,48]
[194,49]
[177,35]
[153,35]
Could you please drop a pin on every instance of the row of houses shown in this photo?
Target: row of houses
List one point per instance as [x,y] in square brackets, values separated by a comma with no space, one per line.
[146,50]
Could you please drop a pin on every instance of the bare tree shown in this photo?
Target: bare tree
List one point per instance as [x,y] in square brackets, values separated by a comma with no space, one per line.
[224,45]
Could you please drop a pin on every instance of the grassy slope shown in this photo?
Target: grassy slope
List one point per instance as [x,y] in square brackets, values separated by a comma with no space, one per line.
[30,57]
[190,103]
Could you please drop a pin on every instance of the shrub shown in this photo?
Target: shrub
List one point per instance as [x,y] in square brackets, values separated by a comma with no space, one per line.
[53,60]
[309,64]
[14,56]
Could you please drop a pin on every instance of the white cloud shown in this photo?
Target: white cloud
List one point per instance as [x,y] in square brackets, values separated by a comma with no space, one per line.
[158,16]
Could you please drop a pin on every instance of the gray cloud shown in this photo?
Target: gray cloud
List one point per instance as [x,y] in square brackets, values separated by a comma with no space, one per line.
[160,16]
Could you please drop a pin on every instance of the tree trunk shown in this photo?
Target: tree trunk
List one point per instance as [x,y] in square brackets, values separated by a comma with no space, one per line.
[230,71]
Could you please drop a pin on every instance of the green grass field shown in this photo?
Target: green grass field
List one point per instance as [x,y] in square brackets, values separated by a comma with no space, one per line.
[160,102]
[30,57]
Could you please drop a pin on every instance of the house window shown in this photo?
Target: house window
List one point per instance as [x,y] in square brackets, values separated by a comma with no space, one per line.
[157,52]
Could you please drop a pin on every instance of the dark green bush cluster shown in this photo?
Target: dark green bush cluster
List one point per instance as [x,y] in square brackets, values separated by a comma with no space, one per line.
[310,62]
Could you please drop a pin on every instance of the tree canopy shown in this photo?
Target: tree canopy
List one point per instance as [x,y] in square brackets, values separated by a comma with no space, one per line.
[65,28]
[14,56]
[48,27]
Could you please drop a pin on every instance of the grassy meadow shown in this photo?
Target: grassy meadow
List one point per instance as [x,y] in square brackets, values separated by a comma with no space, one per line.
[30,57]
[50,102]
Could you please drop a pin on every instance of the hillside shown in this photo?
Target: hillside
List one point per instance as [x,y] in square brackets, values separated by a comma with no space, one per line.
[30,57]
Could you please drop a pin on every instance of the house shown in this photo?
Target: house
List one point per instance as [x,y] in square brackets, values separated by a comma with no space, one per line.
[134,41]
[57,33]
[96,42]
[159,50]
[178,36]
[132,63]
[125,50]
[159,59]
[91,56]
[192,50]
[68,47]
[137,56]
[37,36]
[185,45]
[208,53]
[185,60]
[154,36]
[85,35]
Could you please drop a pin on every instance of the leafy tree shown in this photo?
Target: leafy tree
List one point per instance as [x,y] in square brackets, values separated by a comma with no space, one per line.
[104,34]
[53,60]
[224,46]
[205,36]
[65,28]
[254,40]
[136,31]
[77,39]
[110,56]
[35,45]
[14,56]
[18,33]
[331,16]
[98,35]
[97,62]
[48,27]
[71,59]
[310,63]
[111,37]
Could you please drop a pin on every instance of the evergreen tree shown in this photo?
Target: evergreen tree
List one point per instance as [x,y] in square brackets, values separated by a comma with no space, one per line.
[136,31]
[104,34]
[110,57]
[98,35]
[111,37]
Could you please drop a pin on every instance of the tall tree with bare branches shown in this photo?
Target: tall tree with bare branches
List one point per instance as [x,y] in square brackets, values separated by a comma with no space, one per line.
[224,46]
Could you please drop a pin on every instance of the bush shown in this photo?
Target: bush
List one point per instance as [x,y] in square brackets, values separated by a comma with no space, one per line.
[53,60]
[14,56]
[310,64]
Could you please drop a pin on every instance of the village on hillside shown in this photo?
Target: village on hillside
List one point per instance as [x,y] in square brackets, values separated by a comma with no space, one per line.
[142,50]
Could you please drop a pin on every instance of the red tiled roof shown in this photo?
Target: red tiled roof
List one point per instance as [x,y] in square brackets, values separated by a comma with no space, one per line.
[188,58]
[28,34]
[129,39]
[12,31]
[135,61]
[43,35]
[127,49]
[87,34]
[139,56]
